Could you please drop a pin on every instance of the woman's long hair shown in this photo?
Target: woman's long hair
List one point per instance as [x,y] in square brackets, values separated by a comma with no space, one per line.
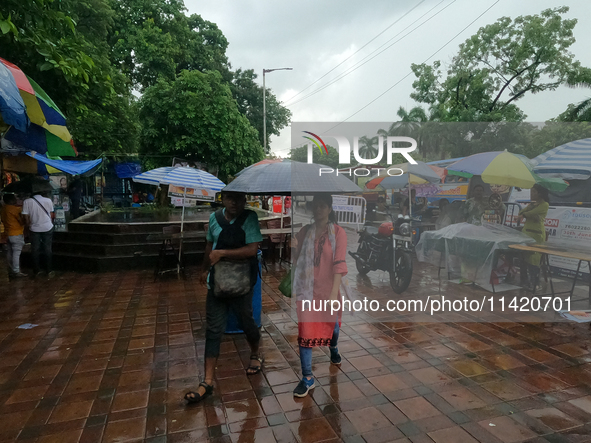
[327,199]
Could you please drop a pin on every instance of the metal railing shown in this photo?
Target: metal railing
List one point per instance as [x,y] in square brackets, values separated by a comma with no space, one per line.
[349,210]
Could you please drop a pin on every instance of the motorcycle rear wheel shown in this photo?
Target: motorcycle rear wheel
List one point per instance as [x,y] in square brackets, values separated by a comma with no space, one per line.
[401,275]
[362,269]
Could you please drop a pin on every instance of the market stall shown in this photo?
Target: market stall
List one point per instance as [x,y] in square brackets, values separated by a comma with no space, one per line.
[468,251]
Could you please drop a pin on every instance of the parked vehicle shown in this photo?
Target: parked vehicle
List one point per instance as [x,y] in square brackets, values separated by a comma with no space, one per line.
[387,248]
[450,191]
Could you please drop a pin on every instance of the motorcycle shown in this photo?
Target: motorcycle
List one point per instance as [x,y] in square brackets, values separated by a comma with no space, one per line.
[387,248]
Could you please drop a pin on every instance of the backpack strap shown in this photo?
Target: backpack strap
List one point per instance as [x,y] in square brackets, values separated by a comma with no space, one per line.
[221,218]
[222,221]
[42,207]
[242,218]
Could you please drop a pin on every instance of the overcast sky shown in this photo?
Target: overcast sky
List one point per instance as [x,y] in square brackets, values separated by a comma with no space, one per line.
[313,37]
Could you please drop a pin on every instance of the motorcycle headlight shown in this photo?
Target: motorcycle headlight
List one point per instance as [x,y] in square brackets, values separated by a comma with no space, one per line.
[404,229]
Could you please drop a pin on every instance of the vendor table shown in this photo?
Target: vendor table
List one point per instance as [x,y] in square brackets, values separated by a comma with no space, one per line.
[548,249]
[470,250]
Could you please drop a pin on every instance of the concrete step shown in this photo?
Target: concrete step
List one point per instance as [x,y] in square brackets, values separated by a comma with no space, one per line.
[114,250]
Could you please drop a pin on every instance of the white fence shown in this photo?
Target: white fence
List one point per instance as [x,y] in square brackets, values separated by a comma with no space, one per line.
[349,210]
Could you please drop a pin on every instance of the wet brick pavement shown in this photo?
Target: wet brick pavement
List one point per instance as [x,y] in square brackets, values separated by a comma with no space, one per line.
[113,354]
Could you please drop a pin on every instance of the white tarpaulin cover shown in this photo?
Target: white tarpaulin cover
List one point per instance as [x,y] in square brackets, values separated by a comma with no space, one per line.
[468,250]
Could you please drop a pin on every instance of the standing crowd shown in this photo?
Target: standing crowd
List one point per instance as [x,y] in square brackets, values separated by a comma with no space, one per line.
[35,219]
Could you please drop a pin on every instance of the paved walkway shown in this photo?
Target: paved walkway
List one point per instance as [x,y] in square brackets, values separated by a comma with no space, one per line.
[112,355]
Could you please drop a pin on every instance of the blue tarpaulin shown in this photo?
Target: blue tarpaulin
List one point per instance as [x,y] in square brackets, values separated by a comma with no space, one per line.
[128,170]
[71,167]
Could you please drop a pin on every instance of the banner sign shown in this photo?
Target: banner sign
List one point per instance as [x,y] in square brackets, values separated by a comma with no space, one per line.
[205,195]
[178,202]
[568,226]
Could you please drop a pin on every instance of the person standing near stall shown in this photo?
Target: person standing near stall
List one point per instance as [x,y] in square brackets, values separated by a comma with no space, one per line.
[321,250]
[75,195]
[475,206]
[417,205]
[15,227]
[534,215]
[39,215]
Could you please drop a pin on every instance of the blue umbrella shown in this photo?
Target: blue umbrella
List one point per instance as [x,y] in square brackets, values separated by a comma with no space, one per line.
[39,139]
[12,107]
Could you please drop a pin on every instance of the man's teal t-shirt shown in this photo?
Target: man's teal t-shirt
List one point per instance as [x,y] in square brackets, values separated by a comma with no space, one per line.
[250,227]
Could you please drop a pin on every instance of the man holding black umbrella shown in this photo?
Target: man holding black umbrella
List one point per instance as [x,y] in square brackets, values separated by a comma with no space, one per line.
[230,270]
[39,215]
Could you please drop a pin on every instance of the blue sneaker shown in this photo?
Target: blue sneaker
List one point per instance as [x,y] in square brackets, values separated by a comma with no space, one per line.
[304,387]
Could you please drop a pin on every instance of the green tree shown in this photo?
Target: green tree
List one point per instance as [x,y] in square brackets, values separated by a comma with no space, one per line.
[499,65]
[62,45]
[41,35]
[249,96]
[579,112]
[196,117]
[554,133]
[155,38]
[410,121]
[368,147]
[418,125]
[331,160]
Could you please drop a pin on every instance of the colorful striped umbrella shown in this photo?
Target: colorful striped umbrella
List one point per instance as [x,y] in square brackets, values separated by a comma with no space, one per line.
[504,168]
[12,107]
[41,110]
[40,140]
[420,173]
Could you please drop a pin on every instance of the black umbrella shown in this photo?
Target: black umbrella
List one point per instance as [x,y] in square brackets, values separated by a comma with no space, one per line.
[29,185]
[289,177]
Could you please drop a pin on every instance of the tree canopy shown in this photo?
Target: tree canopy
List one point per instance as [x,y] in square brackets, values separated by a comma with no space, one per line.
[196,117]
[481,87]
[498,66]
[249,96]
[62,46]
[155,38]
[331,160]
[99,59]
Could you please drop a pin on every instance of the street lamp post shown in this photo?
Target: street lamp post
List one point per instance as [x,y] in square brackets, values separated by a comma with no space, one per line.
[264,103]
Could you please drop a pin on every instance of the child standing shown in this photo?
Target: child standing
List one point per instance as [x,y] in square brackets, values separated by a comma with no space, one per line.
[13,223]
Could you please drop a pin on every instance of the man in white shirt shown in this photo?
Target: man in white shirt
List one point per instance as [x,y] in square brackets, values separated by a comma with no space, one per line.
[38,213]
